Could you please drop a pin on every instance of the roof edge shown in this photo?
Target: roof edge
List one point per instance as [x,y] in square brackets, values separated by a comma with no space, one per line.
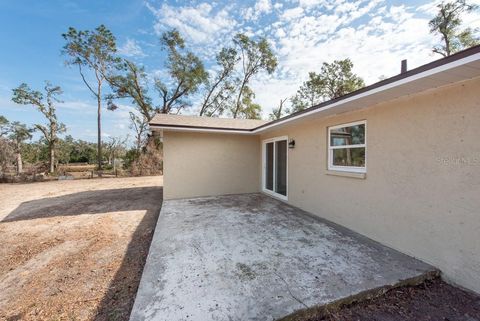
[423,68]
[387,83]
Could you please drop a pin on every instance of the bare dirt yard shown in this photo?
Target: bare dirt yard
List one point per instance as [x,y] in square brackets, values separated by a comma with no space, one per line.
[433,300]
[75,250]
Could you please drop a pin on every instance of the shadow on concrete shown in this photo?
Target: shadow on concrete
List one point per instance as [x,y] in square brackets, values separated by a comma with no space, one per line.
[118,301]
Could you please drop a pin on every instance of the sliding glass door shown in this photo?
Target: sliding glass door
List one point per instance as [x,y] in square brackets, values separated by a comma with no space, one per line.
[275,166]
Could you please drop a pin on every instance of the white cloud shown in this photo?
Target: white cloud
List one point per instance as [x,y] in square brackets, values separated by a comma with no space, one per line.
[260,8]
[293,13]
[131,48]
[376,35]
[200,24]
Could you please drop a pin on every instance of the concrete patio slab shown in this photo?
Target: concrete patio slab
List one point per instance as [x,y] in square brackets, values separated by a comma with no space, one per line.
[251,257]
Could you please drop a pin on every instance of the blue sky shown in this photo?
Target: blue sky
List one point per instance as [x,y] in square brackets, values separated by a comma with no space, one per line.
[376,35]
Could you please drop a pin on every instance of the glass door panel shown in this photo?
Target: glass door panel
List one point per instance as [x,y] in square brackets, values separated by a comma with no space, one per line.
[269,159]
[281,167]
[275,170]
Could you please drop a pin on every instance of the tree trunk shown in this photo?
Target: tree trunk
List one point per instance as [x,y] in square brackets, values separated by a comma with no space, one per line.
[237,106]
[52,159]
[99,126]
[19,163]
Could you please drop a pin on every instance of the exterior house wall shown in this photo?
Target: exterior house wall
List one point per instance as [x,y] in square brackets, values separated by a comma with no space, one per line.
[421,194]
[200,164]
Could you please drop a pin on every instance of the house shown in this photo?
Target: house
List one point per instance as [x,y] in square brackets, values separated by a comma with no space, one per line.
[397,161]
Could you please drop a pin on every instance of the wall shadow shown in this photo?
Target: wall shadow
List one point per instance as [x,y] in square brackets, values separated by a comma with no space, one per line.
[118,301]
[88,202]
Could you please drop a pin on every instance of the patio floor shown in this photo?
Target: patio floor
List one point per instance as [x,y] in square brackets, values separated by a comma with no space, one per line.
[251,257]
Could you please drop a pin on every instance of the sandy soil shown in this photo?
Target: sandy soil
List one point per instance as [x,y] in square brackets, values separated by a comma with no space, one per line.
[75,250]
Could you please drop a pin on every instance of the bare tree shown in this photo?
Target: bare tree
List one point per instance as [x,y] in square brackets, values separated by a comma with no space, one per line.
[277,112]
[114,147]
[140,125]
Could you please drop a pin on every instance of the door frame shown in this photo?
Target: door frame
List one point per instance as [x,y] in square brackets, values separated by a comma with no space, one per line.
[264,167]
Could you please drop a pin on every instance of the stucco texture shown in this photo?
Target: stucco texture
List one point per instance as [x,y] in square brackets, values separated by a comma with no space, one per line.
[201,164]
[421,194]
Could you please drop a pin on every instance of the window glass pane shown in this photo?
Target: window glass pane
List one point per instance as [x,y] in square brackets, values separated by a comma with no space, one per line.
[281,167]
[351,135]
[354,157]
[269,169]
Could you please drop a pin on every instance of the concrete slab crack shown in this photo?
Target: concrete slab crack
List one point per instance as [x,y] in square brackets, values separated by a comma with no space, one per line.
[289,291]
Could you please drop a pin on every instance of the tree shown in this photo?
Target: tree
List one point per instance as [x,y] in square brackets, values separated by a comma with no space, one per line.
[278,112]
[186,73]
[309,94]
[339,79]
[4,123]
[46,105]
[248,109]
[114,147]
[131,83]
[447,24]
[18,134]
[140,125]
[95,50]
[334,80]
[220,88]
[255,57]
[7,155]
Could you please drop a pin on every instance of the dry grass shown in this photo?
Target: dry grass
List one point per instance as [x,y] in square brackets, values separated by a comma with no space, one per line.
[75,250]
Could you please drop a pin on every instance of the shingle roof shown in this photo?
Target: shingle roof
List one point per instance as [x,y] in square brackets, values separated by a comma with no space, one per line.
[169,120]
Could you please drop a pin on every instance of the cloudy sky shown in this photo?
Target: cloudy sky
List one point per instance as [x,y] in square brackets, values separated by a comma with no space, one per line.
[375,34]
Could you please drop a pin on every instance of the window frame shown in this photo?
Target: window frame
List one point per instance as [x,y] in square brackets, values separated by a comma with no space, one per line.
[351,169]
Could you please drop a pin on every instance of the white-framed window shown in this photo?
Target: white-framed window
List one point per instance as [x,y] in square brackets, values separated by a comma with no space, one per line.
[347,147]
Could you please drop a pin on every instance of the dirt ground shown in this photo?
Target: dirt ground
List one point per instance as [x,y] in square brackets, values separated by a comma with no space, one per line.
[75,250]
[432,301]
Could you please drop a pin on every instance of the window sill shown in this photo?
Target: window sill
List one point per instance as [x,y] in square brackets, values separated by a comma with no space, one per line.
[346,174]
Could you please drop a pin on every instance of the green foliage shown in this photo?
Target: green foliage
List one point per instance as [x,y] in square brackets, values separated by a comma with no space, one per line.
[447,24]
[255,57]
[130,156]
[4,123]
[130,81]
[185,69]
[334,80]
[309,94]
[19,133]
[95,50]
[35,152]
[24,95]
[220,89]
[248,109]
[68,150]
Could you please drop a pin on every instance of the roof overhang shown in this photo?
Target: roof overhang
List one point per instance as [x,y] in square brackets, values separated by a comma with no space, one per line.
[462,66]
[203,129]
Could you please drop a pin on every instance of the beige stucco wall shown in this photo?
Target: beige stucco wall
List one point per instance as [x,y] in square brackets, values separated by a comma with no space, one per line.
[422,190]
[199,164]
